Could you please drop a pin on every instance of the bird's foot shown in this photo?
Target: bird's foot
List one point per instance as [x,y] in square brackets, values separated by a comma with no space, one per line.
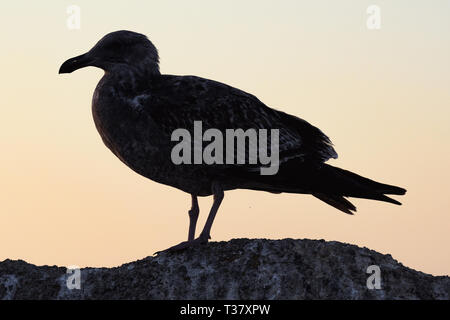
[187,244]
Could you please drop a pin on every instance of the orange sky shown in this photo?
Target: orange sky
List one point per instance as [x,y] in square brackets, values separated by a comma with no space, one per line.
[381,95]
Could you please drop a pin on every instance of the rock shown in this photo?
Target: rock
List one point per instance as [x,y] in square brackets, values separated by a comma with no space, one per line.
[237,269]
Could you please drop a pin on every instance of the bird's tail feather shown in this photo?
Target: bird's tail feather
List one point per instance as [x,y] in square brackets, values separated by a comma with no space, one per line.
[339,202]
[327,183]
[367,183]
[342,183]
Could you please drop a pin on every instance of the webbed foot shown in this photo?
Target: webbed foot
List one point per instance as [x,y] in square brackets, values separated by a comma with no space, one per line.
[186,244]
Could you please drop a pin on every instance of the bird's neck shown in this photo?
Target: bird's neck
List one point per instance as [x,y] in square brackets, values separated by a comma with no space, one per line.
[133,78]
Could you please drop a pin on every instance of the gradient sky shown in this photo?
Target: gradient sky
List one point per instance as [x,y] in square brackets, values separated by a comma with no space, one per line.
[381,95]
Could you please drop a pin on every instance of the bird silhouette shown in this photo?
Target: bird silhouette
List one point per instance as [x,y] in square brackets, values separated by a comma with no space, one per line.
[136,110]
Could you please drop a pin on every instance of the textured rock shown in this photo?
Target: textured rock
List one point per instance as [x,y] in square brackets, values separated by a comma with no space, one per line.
[238,269]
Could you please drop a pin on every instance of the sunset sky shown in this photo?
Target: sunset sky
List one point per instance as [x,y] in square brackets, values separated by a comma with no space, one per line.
[382,96]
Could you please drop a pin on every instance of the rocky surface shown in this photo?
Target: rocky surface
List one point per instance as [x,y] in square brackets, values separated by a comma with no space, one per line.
[238,269]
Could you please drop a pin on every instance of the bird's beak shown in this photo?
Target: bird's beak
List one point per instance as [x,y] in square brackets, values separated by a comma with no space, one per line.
[76,63]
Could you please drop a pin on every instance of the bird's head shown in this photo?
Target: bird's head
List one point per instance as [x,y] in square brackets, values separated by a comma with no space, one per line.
[115,50]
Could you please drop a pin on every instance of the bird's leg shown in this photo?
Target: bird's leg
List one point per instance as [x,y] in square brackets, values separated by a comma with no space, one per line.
[218,197]
[193,216]
[205,234]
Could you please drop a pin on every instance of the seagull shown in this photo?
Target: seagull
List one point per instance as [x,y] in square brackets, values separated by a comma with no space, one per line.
[136,109]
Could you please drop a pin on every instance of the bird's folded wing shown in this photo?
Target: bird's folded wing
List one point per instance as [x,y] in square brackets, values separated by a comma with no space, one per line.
[177,101]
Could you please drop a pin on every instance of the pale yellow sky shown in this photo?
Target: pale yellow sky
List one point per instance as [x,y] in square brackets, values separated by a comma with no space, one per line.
[381,95]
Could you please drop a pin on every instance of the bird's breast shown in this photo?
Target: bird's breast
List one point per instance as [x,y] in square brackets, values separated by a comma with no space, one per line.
[133,135]
[123,129]
[136,139]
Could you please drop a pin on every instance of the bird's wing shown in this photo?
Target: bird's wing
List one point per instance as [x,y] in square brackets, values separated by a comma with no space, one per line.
[177,101]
